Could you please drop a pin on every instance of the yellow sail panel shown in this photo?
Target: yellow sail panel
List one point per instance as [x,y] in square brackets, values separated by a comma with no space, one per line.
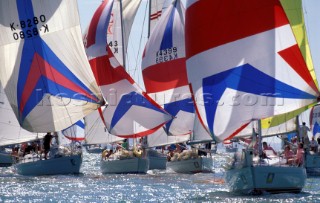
[277,120]
[294,11]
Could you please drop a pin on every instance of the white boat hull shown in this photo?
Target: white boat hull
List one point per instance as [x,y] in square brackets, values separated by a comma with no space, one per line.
[5,159]
[197,165]
[130,165]
[54,166]
[312,164]
[273,179]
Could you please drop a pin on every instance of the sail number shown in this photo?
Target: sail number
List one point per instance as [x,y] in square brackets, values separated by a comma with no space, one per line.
[29,27]
[166,55]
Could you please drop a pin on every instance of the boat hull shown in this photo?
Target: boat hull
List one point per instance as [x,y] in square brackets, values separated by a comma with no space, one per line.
[54,166]
[312,164]
[157,163]
[272,179]
[157,160]
[94,150]
[5,160]
[197,165]
[123,166]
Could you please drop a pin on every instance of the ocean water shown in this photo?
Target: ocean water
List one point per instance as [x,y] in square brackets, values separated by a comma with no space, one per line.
[156,186]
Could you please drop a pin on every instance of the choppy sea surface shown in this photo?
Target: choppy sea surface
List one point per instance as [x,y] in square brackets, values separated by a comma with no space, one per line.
[156,186]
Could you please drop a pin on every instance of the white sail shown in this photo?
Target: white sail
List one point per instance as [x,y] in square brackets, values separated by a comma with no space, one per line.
[10,130]
[44,69]
[119,30]
[199,132]
[160,138]
[96,131]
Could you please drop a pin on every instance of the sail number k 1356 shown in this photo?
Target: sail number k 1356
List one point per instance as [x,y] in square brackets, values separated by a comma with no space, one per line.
[29,27]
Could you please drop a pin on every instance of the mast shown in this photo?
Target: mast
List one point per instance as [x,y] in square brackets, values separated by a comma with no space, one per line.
[122,38]
[149,16]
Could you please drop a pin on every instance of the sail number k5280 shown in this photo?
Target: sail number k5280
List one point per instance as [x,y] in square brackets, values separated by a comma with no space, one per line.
[29,27]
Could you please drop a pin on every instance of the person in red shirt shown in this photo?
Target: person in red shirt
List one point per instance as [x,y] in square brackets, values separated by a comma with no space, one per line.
[300,155]
[288,154]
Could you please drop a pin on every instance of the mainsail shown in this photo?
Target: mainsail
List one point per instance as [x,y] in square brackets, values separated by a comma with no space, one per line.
[10,130]
[44,70]
[242,68]
[164,70]
[128,105]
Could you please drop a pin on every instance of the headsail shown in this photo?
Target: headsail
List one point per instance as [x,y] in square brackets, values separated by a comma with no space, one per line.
[315,120]
[164,70]
[45,73]
[10,130]
[128,105]
[157,7]
[96,131]
[120,24]
[75,132]
[241,67]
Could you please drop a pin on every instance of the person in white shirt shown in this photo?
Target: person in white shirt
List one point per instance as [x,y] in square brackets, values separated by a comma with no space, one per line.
[313,145]
[303,134]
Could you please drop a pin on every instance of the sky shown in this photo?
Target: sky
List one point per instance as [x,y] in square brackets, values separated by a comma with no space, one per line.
[311,15]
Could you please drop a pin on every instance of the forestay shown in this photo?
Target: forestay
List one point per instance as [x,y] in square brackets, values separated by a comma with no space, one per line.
[244,66]
[128,105]
[44,69]
[164,70]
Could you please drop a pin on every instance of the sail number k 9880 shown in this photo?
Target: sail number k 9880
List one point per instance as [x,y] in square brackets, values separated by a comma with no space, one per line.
[29,27]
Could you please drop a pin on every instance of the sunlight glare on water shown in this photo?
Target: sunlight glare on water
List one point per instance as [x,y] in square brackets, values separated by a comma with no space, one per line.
[156,186]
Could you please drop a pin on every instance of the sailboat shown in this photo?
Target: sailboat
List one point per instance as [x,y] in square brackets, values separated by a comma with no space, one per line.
[10,131]
[46,76]
[247,66]
[312,158]
[130,113]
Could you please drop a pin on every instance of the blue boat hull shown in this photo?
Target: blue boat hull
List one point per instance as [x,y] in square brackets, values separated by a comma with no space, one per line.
[54,166]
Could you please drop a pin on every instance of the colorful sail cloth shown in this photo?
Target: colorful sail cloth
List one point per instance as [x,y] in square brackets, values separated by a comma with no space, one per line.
[75,132]
[164,70]
[119,27]
[96,131]
[244,66]
[128,105]
[315,120]
[10,130]
[44,70]
[157,7]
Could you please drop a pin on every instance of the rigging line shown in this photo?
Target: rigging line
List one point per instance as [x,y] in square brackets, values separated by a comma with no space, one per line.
[138,57]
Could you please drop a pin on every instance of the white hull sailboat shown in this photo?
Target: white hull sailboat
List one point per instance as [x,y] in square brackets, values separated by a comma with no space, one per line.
[33,166]
[123,166]
[249,178]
